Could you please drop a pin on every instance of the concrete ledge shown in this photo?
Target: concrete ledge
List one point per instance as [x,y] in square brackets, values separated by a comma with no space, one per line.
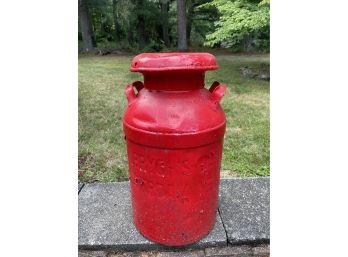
[105,217]
[227,251]
[244,209]
[105,221]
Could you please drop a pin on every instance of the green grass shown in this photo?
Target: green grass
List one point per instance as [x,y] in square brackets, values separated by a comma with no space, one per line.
[102,153]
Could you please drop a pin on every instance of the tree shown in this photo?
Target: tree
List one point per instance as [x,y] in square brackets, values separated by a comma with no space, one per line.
[199,20]
[182,36]
[116,23]
[190,13]
[141,23]
[85,25]
[149,25]
[165,26]
[239,20]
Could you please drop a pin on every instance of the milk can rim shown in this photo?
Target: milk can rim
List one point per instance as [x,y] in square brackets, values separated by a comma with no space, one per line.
[198,61]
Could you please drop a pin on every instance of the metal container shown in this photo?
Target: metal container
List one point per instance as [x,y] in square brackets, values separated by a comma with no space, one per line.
[174,130]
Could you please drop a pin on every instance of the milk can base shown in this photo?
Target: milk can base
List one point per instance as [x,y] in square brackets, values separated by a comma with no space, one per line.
[174,244]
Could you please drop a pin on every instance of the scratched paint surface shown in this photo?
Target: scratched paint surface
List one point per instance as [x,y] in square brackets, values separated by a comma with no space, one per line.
[174,190]
[174,130]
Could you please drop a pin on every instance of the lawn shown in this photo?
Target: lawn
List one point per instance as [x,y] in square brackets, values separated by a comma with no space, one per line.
[102,153]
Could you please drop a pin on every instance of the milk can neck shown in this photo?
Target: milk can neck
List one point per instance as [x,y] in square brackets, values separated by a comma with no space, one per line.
[173,80]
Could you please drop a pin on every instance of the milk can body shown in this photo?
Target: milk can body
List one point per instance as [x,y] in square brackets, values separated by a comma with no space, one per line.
[174,130]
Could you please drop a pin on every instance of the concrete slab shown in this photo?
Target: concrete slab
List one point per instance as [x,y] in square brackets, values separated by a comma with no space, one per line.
[105,221]
[244,209]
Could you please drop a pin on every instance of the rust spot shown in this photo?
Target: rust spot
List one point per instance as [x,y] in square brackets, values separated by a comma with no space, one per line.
[183,236]
[139,181]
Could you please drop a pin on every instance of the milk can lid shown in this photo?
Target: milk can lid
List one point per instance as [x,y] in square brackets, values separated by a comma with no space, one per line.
[173,61]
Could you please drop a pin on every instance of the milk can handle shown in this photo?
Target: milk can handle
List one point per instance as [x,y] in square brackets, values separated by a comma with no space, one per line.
[217,91]
[130,94]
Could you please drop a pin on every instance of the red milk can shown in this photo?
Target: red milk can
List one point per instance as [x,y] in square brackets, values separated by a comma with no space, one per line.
[174,130]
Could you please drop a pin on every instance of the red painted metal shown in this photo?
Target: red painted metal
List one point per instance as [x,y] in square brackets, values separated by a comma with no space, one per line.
[174,130]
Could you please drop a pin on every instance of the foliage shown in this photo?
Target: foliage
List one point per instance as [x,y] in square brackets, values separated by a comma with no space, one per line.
[137,24]
[202,21]
[101,16]
[239,20]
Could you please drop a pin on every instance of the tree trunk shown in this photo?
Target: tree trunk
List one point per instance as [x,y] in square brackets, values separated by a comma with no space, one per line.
[130,33]
[116,24]
[188,32]
[190,14]
[165,33]
[182,40]
[141,31]
[141,24]
[247,41]
[85,26]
